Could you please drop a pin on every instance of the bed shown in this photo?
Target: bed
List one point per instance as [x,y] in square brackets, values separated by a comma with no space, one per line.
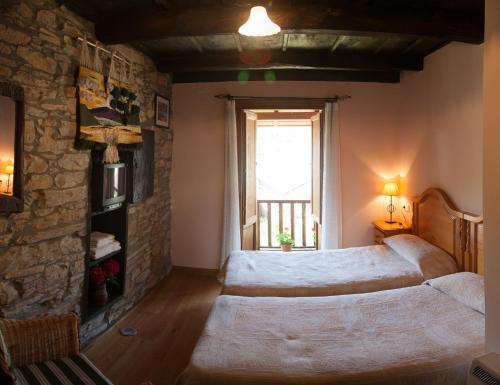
[451,236]
[426,334]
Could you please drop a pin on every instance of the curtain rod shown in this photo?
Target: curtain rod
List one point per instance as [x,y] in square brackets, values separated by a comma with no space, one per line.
[104,50]
[239,97]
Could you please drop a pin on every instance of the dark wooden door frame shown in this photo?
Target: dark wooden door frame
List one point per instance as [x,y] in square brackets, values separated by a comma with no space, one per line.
[263,104]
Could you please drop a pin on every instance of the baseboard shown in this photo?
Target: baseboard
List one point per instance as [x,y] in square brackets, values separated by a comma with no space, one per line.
[196,271]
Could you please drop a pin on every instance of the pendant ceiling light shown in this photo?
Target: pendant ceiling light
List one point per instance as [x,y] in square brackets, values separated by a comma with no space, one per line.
[259,24]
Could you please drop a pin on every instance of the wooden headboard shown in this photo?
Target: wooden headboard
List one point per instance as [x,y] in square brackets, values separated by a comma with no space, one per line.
[438,221]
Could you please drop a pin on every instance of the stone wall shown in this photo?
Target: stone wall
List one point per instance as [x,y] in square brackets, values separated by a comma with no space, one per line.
[42,249]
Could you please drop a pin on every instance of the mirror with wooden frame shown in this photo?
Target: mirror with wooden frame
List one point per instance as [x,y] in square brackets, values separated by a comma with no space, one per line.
[11,147]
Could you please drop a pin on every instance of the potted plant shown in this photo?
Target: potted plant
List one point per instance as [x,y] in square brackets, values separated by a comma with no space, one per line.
[285,240]
[99,276]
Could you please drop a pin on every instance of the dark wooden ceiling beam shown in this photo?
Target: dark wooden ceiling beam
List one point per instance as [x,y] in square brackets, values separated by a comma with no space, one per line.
[284,75]
[412,45]
[237,42]
[196,44]
[381,46]
[287,60]
[337,16]
[284,46]
[338,40]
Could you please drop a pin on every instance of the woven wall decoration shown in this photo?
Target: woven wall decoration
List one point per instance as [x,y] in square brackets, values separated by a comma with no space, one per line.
[108,107]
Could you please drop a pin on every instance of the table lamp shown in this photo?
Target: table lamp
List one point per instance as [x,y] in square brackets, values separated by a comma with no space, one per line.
[391,189]
[9,170]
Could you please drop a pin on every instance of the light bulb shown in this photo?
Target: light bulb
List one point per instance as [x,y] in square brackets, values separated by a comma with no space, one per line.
[259,24]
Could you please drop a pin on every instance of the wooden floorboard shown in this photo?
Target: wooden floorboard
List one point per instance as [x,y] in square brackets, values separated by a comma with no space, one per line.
[170,320]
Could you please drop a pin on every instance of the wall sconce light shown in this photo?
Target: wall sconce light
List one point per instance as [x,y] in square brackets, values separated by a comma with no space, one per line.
[259,24]
[391,189]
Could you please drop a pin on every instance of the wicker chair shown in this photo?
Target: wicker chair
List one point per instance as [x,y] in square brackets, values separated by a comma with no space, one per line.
[34,347]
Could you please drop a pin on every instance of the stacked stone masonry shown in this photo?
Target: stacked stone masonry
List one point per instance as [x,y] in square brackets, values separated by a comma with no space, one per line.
[42,250]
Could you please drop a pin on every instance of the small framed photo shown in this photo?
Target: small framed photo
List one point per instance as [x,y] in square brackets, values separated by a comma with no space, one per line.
[162,111]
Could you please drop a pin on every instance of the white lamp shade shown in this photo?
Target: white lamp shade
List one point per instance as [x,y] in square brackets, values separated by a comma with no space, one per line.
[259,24]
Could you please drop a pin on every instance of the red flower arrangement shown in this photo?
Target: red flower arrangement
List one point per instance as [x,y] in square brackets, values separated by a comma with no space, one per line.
[97,276]
[112,266]
[105,273]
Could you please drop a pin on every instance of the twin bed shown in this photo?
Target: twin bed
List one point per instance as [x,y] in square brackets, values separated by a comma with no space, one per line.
[334,272]
[414,335]
[284,322]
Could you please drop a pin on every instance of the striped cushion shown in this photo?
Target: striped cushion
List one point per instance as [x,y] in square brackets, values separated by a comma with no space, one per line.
[75,370]
[5,363]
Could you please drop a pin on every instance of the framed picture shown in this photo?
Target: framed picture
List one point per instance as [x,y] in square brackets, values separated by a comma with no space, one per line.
[162,111]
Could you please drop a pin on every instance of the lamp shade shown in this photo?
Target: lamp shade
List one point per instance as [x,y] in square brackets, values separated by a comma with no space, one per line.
[8,168]
[259,24]
[391,188]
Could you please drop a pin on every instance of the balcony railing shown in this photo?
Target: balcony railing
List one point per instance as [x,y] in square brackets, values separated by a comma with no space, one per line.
[292,216]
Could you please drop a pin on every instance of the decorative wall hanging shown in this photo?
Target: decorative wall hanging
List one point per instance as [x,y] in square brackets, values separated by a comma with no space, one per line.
[123,101]
[109,113]
[162,111]
[111,155]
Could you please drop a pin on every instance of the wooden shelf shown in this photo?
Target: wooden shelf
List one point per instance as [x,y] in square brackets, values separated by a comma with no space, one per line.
[115,222]
[95,262]
[95,213]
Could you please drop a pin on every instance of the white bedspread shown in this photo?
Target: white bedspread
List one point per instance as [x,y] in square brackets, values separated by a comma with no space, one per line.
[410,336]
[316,273]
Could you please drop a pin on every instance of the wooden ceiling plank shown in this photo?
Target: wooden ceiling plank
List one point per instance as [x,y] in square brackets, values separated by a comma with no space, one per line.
[290,75]
[290,59]
[152,23]
[144,48]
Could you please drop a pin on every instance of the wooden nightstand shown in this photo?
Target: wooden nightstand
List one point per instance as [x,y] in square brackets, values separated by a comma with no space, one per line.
[381,230]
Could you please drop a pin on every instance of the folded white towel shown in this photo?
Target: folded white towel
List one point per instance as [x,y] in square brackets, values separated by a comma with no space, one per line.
[98,239]
[101,243]
[105,250]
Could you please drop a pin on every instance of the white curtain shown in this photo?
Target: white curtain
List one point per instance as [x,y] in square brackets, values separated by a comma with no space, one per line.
[331,229]
[231,238]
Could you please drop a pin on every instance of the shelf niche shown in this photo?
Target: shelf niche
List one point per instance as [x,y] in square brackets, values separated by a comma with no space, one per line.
[113,221]
[140,174]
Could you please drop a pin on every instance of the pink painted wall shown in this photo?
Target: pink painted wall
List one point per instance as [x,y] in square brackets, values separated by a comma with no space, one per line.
[491,173]
[427,129]
[369,144]
[441,125]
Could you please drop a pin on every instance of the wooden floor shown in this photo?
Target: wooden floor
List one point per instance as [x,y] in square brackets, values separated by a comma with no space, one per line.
[170,320]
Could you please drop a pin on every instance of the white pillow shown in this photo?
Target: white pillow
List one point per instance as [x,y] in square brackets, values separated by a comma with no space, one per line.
[431,260]
[466,288]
